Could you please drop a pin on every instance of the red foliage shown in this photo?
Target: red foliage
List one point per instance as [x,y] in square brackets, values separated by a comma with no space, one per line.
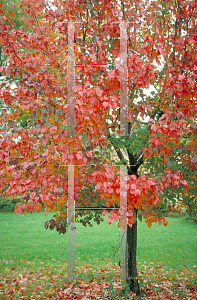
[38,62]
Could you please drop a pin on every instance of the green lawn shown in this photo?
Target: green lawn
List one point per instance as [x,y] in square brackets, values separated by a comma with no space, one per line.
[24,242]
[33,260]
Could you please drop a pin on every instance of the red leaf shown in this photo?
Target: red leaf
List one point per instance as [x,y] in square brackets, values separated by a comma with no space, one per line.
[130,222]
[37,206]
[184,182]
[17,209]
[30,206]
[165,223]
[176,183]
[10,12]
[23,208]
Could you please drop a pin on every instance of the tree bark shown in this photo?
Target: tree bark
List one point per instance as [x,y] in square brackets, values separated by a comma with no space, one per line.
[132,279]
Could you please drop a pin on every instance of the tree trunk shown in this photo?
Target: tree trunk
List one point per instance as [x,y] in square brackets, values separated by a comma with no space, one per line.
[132,279]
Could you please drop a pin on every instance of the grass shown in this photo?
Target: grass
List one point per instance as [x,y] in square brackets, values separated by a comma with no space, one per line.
[24,237]
[27,248]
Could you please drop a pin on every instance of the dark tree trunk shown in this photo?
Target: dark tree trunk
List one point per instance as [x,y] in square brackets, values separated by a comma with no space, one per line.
[132,279]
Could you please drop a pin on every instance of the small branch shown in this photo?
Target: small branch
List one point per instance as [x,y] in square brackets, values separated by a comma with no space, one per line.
[141,122]
[140,159]
[38,25]
[15,53]
[118,151]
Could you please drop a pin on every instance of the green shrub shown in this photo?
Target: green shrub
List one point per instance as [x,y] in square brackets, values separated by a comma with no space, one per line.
[192,215]
[9,203]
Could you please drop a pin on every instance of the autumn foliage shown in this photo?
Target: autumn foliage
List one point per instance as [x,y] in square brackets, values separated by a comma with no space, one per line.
[162,51]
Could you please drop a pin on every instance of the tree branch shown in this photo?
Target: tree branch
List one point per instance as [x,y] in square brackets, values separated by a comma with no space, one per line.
[141,122]
[117,149]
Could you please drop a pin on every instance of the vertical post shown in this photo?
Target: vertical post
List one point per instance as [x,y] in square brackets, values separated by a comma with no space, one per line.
[123,79]
[71,225]
[71,132]
[71,80]
[123,222]
[123,131]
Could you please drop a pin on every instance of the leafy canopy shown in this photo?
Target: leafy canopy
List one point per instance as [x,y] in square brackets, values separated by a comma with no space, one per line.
[160,155]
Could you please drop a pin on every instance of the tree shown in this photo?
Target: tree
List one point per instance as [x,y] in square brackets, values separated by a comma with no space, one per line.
[160,133]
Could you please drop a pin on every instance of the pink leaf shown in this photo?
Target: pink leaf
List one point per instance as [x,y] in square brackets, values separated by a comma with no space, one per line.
[17,209]
[89,154]
[109,220]
[23,208]
[104,212]
[79,156]
[181,77]
[111,74]
[9,168]
[32,195]
[52,129]
[44,142]
[99,43]
[98,91]
[93,57]
[98,186]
